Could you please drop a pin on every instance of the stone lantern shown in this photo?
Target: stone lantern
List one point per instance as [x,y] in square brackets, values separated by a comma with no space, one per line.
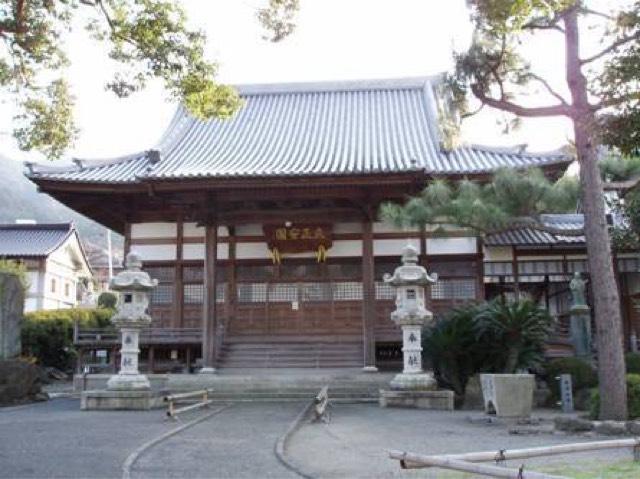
[410,280]
[134,287]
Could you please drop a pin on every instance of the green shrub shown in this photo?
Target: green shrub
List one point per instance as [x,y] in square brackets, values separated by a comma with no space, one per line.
[513,333]
[495,336]
[632,361]
[107,299]
[48,335]
[633,398]
[583,375]
[451,348]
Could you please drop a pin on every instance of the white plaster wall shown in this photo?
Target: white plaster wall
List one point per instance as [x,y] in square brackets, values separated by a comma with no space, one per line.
[341,228]
[384,227]
[155,252]
[451,245]
[252,251]
[345,248]
[393,247]
[195,251]
[249,230]
[30,304]
[192,231]
[498,253]
[153,230]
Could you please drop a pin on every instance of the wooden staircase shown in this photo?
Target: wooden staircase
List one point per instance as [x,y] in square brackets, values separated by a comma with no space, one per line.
[292,354]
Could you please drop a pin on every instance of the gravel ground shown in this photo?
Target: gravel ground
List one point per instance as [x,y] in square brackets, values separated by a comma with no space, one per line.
[355,441]
[56,439]
[237,443]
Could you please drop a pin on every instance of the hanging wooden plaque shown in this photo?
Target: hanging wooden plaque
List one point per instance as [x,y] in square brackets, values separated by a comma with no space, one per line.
[298,238]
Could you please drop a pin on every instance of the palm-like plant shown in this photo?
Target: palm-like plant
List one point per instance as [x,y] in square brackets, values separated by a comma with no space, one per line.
[452,349]
[514,334]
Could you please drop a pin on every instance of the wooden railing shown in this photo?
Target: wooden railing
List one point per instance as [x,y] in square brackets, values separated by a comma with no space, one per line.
[147,336]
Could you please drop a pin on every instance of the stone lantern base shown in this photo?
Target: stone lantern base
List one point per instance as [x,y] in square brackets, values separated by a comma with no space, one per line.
[413,382]
[107,400]
[128,382]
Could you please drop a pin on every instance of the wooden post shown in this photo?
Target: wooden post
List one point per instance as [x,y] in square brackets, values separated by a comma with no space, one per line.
[209,325]
[114,359]
[127,238]
[232,295]
[188,358]
[151,359]
[480,269]
[368,295]
[178,304]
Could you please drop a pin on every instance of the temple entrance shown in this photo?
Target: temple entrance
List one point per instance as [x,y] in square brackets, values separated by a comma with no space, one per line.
[299,298]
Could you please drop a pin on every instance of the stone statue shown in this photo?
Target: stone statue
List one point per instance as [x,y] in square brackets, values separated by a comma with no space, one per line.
[577,286]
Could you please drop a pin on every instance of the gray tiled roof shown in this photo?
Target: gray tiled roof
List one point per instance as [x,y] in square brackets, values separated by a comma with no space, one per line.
[534,237]
[32,240]
[345,128]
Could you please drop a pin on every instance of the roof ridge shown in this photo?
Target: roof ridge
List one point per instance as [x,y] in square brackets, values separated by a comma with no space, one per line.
[515,149]
[250,89]
[35,226]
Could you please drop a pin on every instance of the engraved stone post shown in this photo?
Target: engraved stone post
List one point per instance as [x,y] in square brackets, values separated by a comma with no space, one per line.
[410,281]
[134,287]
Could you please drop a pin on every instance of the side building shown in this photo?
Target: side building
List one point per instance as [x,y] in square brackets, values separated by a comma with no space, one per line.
[263,230]
[57,268]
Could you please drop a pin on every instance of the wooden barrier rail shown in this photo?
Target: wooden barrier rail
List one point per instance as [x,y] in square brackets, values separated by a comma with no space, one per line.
[465,462]
[173,399]
[320,403]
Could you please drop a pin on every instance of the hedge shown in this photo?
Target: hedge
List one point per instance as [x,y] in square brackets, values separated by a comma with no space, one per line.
[48,335]
[583,375]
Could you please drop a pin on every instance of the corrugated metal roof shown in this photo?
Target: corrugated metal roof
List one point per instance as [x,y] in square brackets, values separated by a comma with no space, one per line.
[345,128]
[534,237]
[32,240]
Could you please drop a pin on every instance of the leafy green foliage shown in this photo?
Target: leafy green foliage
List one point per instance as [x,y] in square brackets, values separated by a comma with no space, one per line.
[517,332]
[632,360]
[16,268]
[278,18]
[512,198]
[149,38]
[107,299]
[583,375]
[453,350]
[48,335]
[496,336]
[616,168]
[633,398]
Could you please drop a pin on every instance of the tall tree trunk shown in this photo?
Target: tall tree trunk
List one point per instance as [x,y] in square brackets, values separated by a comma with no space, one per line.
[611,367]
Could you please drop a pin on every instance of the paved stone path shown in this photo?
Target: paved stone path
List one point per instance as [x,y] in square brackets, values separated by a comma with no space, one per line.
[236,443]
[56,439]
[354,443]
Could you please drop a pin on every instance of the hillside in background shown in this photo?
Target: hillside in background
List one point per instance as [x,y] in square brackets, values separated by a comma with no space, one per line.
[19,199]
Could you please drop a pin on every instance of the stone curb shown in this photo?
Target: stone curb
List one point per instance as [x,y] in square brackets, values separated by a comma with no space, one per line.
[282,442]
[605,428]
[135,455]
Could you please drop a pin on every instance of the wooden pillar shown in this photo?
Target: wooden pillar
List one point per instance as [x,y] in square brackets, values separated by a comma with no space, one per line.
[127,238]
[368,295]
[188,359]
[114,359]
[151,359]
[178,304]
[480,294]
[516,275]
[232,295]
[209,325]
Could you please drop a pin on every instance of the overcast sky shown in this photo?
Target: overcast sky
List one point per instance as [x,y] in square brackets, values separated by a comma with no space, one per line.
[335,39]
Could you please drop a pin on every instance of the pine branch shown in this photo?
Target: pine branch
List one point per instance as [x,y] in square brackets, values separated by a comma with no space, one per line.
[622,185]
[614,46]
[548,87]
[505,105]
[616,101]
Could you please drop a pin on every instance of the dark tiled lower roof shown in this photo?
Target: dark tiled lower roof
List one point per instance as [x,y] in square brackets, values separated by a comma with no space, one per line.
[345,128]
[535,237]
[32,240]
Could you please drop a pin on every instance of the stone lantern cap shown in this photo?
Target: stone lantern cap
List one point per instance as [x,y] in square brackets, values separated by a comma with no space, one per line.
[410,273]
[133,278]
